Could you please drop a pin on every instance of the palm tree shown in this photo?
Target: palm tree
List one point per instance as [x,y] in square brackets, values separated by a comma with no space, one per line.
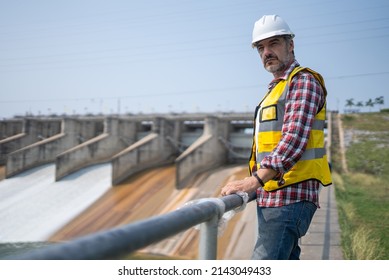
[379,101]
[350,102]
[369,103]
[359,104]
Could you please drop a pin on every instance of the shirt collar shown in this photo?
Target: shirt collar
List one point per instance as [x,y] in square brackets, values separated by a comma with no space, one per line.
[289,70]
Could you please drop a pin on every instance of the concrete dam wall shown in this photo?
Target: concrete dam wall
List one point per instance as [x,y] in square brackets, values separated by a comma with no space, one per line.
[131,144]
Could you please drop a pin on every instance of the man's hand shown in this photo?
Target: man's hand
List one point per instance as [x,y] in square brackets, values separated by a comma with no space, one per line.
[248,184]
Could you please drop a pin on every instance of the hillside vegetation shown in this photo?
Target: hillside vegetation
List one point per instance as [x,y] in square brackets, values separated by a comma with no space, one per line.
[363,192]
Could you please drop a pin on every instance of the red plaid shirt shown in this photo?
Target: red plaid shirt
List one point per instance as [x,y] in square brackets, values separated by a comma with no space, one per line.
[303,102]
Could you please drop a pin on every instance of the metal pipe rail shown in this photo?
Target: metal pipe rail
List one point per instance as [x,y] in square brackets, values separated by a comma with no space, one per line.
[112,244]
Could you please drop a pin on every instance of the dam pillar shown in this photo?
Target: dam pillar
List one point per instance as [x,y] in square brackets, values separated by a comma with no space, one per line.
[116,136]
[206,153]
[46,150]
[152,150]
[25,133]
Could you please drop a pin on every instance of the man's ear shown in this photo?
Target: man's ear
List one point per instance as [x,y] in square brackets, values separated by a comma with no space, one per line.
[291,45]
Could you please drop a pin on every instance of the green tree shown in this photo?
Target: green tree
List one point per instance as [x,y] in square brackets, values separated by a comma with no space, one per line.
[369,103]
[359,104]
[350,103]
[379,101]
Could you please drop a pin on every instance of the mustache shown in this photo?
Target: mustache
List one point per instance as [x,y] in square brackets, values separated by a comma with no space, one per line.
[269,57]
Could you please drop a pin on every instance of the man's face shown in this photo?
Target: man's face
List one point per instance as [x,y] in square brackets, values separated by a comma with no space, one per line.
[276,54]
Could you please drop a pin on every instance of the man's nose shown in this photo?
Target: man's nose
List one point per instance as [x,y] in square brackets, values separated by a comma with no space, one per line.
[266,52]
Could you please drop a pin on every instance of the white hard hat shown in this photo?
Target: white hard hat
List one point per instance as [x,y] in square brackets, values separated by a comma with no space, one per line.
[269,26]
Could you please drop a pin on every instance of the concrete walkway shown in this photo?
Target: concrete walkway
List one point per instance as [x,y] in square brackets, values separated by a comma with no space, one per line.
[322,242]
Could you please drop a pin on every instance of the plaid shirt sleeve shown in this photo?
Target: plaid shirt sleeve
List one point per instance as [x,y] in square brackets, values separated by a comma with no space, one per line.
[303,102]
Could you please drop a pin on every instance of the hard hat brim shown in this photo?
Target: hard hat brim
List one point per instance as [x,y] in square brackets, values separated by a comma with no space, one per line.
[270,35]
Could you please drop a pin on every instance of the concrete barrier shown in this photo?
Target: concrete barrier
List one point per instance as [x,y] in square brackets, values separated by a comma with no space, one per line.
[10,144]
[132,143]
[205,153]
[116,137]
[11,127]
[73,132]
[151,151]
[35,154]
[31,131]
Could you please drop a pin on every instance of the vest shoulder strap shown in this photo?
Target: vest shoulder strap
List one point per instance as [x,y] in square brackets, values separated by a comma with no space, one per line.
[314,73]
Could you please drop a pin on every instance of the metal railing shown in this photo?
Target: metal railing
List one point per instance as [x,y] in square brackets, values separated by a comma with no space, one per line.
[129,238]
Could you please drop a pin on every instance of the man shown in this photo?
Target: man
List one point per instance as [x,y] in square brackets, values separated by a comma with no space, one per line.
[288,163]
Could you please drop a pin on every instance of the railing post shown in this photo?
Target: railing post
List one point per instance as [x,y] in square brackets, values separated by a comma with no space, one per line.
[208,239]
[209,231]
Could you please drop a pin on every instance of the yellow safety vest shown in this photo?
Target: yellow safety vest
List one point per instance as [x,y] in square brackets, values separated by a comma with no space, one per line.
[268,122]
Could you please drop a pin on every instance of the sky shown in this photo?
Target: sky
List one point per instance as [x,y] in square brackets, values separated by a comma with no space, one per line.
[179,56]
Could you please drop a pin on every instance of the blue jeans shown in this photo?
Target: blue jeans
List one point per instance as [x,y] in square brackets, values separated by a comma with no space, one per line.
[279,230]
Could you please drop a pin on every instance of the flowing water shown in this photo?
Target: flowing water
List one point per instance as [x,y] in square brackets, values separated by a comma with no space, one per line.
[33,206]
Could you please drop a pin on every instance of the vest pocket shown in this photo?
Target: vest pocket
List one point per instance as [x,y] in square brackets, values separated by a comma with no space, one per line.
[267,140]
[268,113]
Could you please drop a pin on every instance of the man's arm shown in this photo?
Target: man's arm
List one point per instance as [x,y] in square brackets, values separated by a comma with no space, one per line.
[303,102]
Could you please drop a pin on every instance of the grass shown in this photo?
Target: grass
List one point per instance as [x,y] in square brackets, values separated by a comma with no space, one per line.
[363,216]
[363,193]
[377,121]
